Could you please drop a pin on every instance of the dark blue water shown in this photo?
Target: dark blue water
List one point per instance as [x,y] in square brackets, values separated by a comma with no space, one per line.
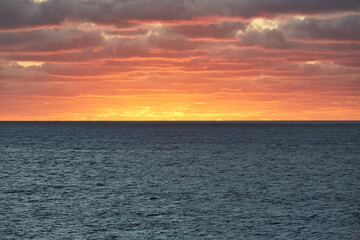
[180,180]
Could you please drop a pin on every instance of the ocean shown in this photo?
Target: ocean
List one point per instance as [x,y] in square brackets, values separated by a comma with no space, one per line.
[180,180]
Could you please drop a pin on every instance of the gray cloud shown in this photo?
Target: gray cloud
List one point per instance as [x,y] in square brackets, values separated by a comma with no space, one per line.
[273,39]
[340,28]
[214,30]
[49,40]
[26,13]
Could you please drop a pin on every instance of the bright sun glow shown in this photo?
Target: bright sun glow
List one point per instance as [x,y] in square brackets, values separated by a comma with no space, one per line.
[39,1]
[30,64]
[313,62]
[261,24]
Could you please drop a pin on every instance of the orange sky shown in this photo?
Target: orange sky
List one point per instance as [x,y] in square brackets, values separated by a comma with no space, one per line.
[179,60]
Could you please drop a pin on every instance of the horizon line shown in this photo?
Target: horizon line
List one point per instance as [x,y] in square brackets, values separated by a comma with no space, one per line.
[180,120]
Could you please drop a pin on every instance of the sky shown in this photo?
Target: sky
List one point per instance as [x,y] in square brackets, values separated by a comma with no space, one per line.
[179,60]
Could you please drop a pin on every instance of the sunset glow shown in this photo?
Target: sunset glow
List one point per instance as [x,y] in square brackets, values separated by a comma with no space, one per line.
[179,60]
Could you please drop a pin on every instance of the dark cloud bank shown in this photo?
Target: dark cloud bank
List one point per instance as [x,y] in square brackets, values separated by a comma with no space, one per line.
[27,13]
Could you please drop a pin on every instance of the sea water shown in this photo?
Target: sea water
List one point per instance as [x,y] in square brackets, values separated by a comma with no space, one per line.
[180,180]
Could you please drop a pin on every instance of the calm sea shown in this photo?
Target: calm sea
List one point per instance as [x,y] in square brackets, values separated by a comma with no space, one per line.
[180,180]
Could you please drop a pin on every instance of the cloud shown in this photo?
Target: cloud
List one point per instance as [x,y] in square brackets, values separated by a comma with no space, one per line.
[273,39]
[231,55]
[312,34]
[49,40]
[339,28]
[27,13]
[222,30]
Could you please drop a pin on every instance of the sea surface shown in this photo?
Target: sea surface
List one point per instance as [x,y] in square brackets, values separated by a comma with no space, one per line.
[180,180]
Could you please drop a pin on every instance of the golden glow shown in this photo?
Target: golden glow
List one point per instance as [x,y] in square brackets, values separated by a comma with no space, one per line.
[30,64]
[175,107]
[313,62]
[261,24]
[206,69]
[39,1]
